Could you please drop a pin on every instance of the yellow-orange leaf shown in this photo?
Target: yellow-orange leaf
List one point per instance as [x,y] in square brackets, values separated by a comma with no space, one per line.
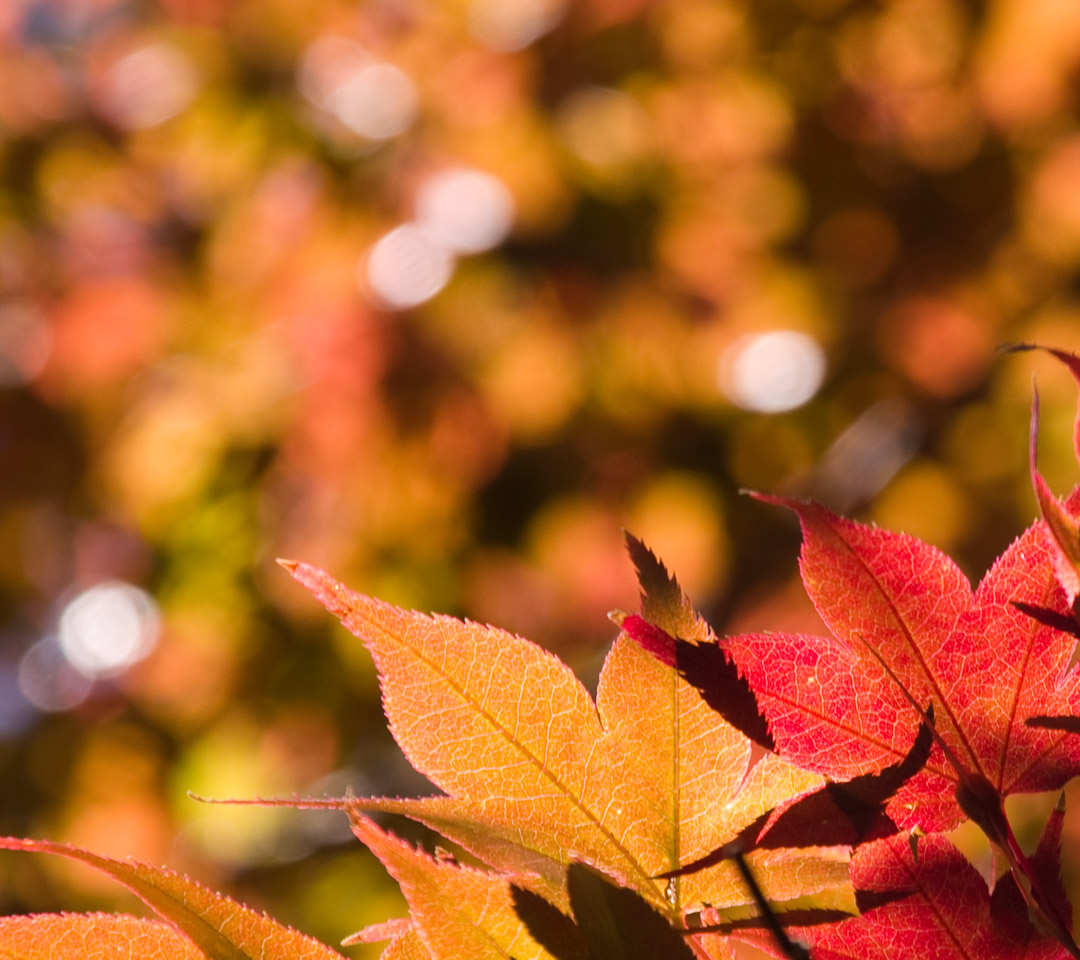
[458,911]
[408,946]
[92,936]
[646,778]
[220,928]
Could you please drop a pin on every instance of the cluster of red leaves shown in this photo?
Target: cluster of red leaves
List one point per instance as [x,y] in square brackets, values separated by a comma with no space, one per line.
[786,791]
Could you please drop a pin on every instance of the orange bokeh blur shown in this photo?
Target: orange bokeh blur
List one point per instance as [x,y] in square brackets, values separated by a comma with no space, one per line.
[444,296]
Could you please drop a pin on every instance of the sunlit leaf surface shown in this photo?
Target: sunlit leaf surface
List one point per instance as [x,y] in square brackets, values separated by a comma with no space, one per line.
[219,927]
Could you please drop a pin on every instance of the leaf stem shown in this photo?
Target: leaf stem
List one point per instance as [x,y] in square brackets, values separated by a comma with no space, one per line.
[795,951]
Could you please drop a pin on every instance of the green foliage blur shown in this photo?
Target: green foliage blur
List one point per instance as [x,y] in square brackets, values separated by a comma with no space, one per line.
[443,295]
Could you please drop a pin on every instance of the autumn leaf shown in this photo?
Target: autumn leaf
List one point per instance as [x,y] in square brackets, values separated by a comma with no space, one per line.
[948,912]
[1061,521]
[457,911]
[996,666]
[406,947]
[1062,525]
[908,630]
[1072,362]
[50,936]
[837,814]
[1062,518]
[218,927]
[539,776]
[685,646]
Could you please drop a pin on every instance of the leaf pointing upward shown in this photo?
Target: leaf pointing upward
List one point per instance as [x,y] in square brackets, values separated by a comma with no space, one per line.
[1061,522]
[540,776]
[907,628]
[1072,361]
[705,665]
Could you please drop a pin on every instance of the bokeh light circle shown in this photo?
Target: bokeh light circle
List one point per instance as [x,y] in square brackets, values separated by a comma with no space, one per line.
[408,267]
[149,86]
[467,211]
[107,628]
[49,681]
[772,372]
[378,101]
[373,99]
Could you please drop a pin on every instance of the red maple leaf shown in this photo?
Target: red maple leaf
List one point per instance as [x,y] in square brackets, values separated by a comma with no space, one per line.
[995,664]
[907,630]
[948,912]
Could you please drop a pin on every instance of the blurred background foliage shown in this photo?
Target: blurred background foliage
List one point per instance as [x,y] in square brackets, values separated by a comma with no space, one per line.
[441,296]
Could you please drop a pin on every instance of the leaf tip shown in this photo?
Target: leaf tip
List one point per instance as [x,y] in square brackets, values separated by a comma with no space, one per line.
[802,508]
[331,594]
[379,932]
[653,577]
[1019,346]
[640,555]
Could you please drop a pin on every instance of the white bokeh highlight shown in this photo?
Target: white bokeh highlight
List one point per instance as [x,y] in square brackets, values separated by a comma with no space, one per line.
[149,86]
[458,211]
[375,100]
[465,210]
[107,628]
[407,267]
[772,372]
